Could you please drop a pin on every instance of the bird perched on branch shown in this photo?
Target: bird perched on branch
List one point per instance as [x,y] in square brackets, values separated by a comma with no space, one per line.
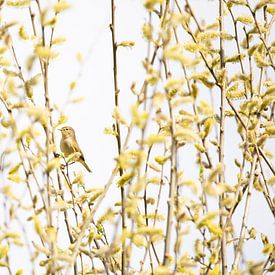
[69,145]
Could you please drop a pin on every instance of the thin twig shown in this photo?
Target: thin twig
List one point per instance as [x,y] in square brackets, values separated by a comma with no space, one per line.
[118,136]
[245,215]
[223,250]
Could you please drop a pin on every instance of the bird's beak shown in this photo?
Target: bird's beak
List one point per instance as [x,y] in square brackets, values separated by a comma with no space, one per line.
[59,130]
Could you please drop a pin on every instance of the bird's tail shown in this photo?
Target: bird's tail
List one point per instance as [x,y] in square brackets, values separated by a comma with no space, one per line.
[85,165]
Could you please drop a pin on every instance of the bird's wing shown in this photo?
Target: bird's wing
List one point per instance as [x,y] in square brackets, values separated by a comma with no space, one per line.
[76,148]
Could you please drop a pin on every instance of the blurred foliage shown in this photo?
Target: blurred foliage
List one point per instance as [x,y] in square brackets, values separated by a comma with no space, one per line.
[49,212]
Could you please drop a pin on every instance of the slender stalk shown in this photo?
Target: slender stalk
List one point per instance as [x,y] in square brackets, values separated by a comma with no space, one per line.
[118,136]
[263,39]
[223,251]
[238,46]
[173,171]
[267,161]
[48,130]
[245,215]
[265,191]
[172,190]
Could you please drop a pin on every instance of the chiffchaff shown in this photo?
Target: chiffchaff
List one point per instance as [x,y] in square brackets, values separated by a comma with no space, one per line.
[69,145]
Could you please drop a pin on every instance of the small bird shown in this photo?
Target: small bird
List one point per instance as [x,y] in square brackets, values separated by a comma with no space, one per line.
[69,145]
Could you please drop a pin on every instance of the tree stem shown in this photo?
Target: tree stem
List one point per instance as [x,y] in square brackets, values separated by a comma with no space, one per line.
[118,136]
[223,251]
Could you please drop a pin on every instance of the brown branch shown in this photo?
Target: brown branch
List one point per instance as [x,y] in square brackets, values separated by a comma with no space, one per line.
[223,251]
[245,215]
[118,136]
[267,161]
[253,13]
[173,177]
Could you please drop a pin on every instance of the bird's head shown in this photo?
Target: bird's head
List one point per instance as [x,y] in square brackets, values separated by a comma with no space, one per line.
[67,131]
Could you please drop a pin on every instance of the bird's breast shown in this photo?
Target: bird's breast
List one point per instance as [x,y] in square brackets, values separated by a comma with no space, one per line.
[66,146]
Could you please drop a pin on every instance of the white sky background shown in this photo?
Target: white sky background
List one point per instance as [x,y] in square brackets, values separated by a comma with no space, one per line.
[85,27]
